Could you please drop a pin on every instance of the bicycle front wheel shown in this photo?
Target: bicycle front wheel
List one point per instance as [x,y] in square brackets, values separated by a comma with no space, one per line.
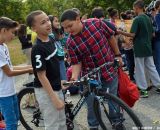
[30,115]
[112,112]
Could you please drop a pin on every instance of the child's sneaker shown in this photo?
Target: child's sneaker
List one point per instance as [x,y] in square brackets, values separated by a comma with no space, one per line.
[143,94]
[150,87]
[158,90]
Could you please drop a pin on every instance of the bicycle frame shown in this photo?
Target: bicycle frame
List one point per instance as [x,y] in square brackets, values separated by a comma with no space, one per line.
[78,106]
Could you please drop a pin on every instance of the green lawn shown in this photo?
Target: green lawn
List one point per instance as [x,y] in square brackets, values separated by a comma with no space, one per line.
[16,54]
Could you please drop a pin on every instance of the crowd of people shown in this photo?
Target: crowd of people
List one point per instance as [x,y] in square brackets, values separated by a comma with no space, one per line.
[79,44]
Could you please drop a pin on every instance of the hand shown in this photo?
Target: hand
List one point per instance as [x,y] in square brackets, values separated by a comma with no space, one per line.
[120,60]
[30,70]
[59,104]
[64,87]
[118,31]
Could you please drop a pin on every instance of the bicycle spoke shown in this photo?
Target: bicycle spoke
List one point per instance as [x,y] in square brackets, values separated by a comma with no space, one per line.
[112,112]
[28,106]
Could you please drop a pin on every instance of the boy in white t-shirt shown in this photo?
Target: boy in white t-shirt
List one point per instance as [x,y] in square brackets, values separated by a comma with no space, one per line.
[8,98]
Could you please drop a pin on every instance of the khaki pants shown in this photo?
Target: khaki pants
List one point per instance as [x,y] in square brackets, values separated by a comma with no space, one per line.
[53,119]
[27,52]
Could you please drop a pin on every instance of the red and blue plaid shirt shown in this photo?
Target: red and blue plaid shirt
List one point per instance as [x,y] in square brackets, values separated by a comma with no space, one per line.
[91,48]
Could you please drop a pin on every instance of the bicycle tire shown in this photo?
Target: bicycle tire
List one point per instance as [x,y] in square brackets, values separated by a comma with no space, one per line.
[125,107]
[21,95]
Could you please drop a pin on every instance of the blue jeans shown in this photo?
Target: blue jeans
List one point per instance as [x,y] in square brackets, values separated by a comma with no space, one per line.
[10,110]
[62,70]
[113,87]
[156,55]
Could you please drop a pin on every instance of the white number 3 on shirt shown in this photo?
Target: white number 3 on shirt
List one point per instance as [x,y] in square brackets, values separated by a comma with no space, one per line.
[38,61]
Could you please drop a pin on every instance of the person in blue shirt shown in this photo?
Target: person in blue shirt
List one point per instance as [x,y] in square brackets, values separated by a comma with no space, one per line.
[156,51]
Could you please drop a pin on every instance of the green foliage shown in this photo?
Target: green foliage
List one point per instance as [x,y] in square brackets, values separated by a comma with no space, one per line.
[12,9]
[18,9]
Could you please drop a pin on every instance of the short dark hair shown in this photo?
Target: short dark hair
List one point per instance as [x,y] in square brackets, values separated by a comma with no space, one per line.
[112,11]
[22,31]
[77,11]
[31,16]
[123,16]
[139,3]
[68,15]
[51,18]
[7,23]
[157,4]
[98,12]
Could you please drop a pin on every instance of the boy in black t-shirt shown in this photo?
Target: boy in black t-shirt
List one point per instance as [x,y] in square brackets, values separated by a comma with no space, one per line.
[47,73]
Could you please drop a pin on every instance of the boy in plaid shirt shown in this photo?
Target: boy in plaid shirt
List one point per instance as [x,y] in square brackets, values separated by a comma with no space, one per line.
[91,43]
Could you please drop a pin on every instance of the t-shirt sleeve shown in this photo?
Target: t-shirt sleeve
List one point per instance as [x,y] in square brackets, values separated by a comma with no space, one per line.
[106,30]
[134,27]
[73,53]
[2,59]
[38,59]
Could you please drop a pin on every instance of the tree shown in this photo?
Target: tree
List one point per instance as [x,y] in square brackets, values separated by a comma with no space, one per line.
[18,9]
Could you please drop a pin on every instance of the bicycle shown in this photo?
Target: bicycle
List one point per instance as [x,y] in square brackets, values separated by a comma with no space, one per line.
[100,105]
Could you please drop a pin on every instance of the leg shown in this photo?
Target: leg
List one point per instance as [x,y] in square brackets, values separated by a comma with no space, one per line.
[157,55]
[92,121]
[113,88]
[140,73]
[9,107]
[152,72]
[27,52]
[130,63]
[53,119]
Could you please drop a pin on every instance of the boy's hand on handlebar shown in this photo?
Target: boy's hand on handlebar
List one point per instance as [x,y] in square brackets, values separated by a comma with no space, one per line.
[64,87]
[120,60]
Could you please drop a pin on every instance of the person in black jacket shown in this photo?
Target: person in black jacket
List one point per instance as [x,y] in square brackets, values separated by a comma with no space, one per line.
[25,40]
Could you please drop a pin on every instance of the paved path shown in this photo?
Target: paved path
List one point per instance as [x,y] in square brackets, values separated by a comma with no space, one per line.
[147,109]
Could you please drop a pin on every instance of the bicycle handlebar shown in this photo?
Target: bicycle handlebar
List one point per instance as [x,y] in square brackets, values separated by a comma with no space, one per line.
[115,63]
[70,83]
[83,81]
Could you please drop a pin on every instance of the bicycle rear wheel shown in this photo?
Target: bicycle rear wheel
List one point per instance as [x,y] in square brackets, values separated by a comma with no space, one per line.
[127,117]
[29,110]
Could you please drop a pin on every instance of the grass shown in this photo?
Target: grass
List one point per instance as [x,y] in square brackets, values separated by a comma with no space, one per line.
[16,54]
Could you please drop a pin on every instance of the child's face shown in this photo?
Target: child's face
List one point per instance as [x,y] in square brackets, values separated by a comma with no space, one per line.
[7,34]
[55,23]
[72,26]
[42,25]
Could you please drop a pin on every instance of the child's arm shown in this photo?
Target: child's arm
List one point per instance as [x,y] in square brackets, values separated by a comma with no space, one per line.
[59,104]
[22,67]
[11,73]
